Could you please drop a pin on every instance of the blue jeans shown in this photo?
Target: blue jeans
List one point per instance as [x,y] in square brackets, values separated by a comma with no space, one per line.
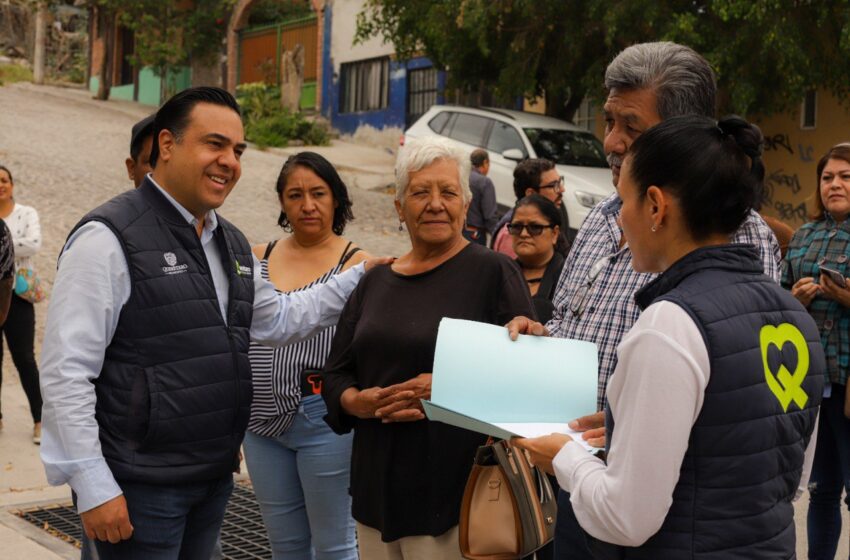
[301,481]
[570,540]
[170,522]
[830,475]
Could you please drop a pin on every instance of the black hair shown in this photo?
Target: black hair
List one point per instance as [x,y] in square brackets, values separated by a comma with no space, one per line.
[839,151]
[552,215]
[710,167]
[6,169]
[479,157]
[527,174]
[174,114]
[140,132]
[544,205]
[326,171]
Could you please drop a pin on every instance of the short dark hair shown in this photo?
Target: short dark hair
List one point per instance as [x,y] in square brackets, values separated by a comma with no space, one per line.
[707,166]
[6,169]
[839,151]
[140,132]
[326,171]
[174,114]
[479,157]
[527,174]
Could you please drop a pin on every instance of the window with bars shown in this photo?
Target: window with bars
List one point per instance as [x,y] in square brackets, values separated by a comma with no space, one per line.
[422,91]
[364,85]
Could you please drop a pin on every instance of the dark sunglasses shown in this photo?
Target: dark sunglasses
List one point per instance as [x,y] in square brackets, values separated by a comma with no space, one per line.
[533,229]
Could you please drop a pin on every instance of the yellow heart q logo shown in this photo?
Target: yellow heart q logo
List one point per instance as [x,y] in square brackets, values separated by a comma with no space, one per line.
[787,386]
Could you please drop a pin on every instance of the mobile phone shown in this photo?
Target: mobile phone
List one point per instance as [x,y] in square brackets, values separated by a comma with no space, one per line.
[835,276]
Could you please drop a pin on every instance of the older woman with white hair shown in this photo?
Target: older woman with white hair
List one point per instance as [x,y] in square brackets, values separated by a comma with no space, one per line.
[407,473]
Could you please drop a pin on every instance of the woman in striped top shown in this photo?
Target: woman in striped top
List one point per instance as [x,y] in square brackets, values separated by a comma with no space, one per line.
[298,466]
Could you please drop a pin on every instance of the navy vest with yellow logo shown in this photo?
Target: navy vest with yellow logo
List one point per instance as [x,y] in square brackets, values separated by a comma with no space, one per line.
[174,393]
[745,454]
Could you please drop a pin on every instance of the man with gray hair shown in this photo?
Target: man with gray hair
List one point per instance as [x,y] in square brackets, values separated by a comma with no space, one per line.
[481,216]
[594,301]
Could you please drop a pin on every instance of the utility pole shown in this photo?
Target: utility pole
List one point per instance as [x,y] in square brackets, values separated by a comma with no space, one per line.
[40,42]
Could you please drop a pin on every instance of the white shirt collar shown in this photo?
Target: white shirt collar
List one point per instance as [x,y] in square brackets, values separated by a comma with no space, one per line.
[210,220]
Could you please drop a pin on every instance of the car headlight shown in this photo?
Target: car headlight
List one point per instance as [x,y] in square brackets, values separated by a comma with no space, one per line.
[589,200]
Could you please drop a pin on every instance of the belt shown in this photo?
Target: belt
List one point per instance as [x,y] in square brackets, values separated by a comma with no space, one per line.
[311,382]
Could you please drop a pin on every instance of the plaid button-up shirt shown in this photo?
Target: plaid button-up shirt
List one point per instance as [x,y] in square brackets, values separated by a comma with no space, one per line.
[824,243]
[603,312]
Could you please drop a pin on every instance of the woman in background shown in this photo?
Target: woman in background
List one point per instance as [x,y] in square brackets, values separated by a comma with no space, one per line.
[19,328]
[535,230]
[824,243]
[300,468]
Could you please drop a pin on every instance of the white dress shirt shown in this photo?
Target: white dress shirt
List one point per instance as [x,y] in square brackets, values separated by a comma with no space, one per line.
[91,287]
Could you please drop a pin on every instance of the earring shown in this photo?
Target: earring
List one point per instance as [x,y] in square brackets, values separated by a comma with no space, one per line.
[400,227]
[653,229]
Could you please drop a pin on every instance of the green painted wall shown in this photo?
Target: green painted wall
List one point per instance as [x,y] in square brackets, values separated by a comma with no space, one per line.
[121,92]
[308,95]
[148,87]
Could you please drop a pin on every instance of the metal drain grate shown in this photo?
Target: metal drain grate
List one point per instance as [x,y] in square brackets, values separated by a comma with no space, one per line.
[243,535]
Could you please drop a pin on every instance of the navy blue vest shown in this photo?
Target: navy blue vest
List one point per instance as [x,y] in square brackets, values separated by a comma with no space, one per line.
[745,454]
[174,393]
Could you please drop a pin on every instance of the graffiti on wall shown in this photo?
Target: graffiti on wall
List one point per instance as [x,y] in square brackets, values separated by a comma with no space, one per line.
[782,188]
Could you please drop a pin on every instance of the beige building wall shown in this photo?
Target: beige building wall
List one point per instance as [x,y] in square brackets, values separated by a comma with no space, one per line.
[792,153]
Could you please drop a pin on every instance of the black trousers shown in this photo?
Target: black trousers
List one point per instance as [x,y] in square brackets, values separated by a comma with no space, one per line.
[20,337]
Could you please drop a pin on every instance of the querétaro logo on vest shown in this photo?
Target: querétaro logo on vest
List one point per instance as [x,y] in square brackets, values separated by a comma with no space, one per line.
[785,356]
[173,267]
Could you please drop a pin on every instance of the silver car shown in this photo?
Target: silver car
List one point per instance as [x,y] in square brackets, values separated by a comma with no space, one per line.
[511,136]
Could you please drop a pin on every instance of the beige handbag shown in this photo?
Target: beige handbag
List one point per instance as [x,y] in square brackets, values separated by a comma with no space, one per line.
[508,508]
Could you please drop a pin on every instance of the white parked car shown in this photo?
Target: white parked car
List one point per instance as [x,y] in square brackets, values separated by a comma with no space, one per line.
[511,136]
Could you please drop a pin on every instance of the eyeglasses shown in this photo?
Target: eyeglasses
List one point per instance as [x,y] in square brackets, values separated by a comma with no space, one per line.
[579,299]
[557,185]
[533,229]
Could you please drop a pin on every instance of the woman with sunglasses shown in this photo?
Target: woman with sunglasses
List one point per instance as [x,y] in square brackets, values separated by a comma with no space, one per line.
[531,176]
[716,391]
[536,234]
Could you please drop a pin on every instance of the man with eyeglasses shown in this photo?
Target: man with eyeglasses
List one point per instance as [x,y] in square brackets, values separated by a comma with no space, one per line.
[531,176]
[594,301]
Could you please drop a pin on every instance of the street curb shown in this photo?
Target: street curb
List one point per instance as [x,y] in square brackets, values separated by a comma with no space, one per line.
[41,537]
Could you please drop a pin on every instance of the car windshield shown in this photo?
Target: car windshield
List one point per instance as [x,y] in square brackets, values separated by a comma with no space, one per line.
[567,147]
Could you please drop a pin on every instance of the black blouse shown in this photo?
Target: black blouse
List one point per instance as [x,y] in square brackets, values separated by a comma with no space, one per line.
[407,478]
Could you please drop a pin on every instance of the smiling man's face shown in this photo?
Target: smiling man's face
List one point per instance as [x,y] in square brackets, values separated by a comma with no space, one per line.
[201,167]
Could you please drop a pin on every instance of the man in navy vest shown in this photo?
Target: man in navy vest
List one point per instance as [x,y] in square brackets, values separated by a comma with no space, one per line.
[146,378]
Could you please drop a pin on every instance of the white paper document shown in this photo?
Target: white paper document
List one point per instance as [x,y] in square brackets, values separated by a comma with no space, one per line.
[485,382]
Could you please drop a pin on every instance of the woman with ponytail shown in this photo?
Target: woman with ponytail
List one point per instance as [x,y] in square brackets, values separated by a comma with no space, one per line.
[717,386]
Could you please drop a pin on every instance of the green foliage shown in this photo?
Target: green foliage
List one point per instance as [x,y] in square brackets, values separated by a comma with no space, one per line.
[766,53]
[11,73]
[167,33]
[267,124]
[273,11]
